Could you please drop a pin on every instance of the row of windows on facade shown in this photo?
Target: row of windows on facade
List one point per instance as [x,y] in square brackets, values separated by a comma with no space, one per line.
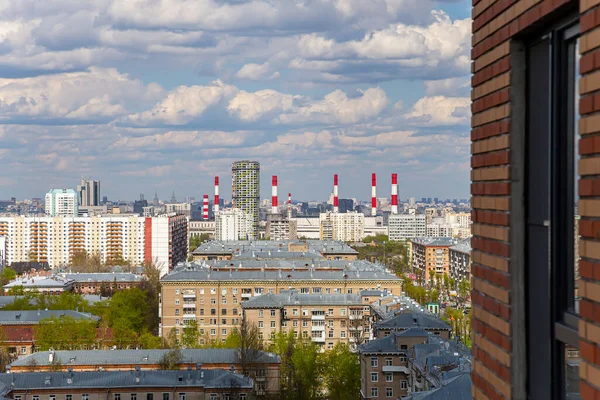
[389,392]
[134,396]
[273,324]
[260,290]
[261,335]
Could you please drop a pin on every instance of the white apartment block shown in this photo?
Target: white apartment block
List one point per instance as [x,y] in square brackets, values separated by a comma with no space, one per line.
[234,224]
[309,228]
[61,202]
[179,208]
[56,239]
[347,227]
[406,226]
[374,226]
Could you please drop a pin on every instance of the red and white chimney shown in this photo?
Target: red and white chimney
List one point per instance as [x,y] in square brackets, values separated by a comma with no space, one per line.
[394,193]
[289,206]
[335,193]
[205,208]
[274,201]
[373,195]
[216,205]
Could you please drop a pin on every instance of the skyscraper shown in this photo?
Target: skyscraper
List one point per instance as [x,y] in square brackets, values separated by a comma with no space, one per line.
[88,193]
[245,189]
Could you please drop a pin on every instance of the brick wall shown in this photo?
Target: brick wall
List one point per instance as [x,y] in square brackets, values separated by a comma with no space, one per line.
[495,22]
[589,205]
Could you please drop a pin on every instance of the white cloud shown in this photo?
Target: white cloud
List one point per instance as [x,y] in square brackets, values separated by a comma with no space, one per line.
[183,140]
[254,71]
[92,94]
[250,107]
[440,110]
[448,87]
[184,104]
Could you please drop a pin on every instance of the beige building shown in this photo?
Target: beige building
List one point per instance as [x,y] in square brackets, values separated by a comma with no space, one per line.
[326,319]
[281,228]
[346,227]
[431,256]
[212,295]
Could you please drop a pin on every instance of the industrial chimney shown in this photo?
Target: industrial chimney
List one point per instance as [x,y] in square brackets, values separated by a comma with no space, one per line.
[373,195]
[394,193]
[216,205]
[205,208]
[335,193]
[289,206]
[274,201]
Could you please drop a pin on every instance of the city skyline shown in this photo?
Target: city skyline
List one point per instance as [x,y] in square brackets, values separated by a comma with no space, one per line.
[164,97]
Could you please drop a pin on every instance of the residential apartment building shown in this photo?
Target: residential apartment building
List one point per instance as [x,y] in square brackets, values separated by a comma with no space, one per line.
[406,226]
[375,226]
[196,384]
[56,239]
[179,208]
[408,319]
[431,256]
[47,284]
[460,260]
[264,370]
[326,319]
[245,190]
[281,228]
[61,203]
[347,227]
[88,193]
[308,228]
[212,292]
[96,283]
[234,224]
[200,227]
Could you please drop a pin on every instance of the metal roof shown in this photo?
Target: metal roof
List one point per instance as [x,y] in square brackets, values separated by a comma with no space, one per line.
[41,281]
[207,378]
[414,332]
[464,246]
[302,299]
[412,319]
[103,277]
[382,345]
[435,241]
[34,317]
[244,248]
[458,388]
[139,357]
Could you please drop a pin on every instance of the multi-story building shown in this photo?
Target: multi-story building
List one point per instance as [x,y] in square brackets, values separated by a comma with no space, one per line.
[264,369]
[406,226]
[47,284]
[57,239]
[375,226]
[431,256]
[245,190]
[281,228]
[460,260]
[347,227]
[88,193]
[61,202]
[326,319]
[212,292]
[234,224]
[179,208]
[198,384]
[408,319]
[308,228]
[199,227]
[96,283]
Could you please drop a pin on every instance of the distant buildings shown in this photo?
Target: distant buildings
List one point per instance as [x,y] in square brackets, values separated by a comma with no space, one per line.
[88,193]
[309,228]
[347,227]
[56,240]
[61,203]
[460,260]
[280,228]
[234,224]
[179,208]
[200,227]
[245,190]
[406,226]
[431,256]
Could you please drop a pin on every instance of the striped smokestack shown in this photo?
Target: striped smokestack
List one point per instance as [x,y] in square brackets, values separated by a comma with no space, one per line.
[373,195]
[289,206]
[335,193]
[394,193]
[274,201]
[205,208]
[216,205]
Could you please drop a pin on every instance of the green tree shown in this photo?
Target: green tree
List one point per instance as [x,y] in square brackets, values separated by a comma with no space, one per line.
[308,369]
[433,296]
[64,332]
[171,360]
[250,345]
[189,337]
[7,275]
[342,373]
[149,341]
[464,288]
[17,290]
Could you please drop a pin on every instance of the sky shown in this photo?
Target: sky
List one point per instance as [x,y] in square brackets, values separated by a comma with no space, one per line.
[163,95]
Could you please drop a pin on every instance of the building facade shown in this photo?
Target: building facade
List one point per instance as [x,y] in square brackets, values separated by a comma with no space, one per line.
[245,190]
[88,193]
[57,239]
[234,224]
[61,202]
[431,256]
[406,226]
[347,227]
[281,228]
[199,227]
[460,260]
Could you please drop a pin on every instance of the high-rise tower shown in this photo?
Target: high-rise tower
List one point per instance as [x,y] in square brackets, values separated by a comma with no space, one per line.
[245,189]
[88,193]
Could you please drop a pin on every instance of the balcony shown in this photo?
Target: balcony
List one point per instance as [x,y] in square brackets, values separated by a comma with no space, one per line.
[318,328]
[189,316]
[319,339]
[189,296]
[395,368]
[318,317]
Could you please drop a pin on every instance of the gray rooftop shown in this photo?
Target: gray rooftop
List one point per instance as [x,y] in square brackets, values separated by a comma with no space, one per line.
[244,248]
[457,388]
[412,319]
[139,357]
[207,378]
[34,317]
[90,298]
[103,277]
[414,331]
[304,299]
[463,246]
[289,264]
[435,241]
[41,281]
[382,345]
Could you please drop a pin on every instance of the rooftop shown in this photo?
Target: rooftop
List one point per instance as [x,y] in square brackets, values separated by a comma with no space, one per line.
[29,281]
[456,388]
[207,378]
[243,249]
[139,357]
[295,298]
[413,319]
[103,277]
[435,241]
[34,317]
[464,246]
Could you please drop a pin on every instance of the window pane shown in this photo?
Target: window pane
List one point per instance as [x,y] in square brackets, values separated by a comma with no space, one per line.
[575,90]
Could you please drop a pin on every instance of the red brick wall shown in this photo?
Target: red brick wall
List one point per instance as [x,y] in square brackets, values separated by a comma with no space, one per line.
[495,22]
[589,205]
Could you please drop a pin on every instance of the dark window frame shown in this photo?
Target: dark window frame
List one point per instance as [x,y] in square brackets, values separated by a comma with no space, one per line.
[550,206]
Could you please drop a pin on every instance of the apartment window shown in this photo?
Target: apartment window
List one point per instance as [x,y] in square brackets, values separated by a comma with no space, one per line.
[295,324]
[35,397]
[181,396]
[260,324]
[389,392]
[272,313]
[117,396]
[166,396]
[177,291]
[85,397]
[343,334]
[330,311]
[133,396]
[330,334]
[223,332]
[242,396]
[550,217]
[330,346]
[213,332]
[224,311]
[388,362]
[295,312]
[305,324]
[213,301]
[272,324]
[260,313]
[176,302]
[177,311]
[213,311]
[403,384]
[374,392]
[389,377]
[23,350]
[223,300]
[234,311]
[343,312]
[403,359]
[374,362]
[52,397]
